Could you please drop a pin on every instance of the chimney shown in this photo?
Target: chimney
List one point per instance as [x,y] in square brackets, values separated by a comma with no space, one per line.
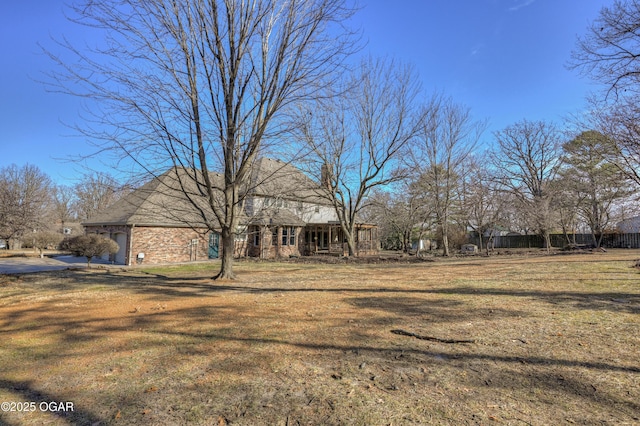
[324,176]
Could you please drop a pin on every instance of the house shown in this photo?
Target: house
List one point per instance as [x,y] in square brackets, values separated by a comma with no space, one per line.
[629,226]
[288,214]
[285,214]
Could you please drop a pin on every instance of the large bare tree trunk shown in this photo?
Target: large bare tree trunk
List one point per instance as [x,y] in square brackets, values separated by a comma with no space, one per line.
[445,245]
[228,247]
[352,246]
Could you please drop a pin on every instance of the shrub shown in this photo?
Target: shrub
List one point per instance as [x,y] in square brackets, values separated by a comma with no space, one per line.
[92,245]
[45,239]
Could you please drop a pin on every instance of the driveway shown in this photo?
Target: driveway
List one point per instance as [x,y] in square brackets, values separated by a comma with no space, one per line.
[24,265]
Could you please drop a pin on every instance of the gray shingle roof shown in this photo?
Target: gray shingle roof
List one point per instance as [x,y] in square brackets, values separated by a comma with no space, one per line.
[276,217]
[172,199]
[271,178]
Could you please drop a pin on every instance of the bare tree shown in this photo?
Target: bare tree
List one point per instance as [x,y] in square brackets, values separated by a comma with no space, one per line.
[619,123]
[94,192]
[484,205]
[200,85]
[397,211]
[609,52]
[446,139]
[355,138]
[24,198]
[62,208]
[527,162]
[44,239]
[567,206]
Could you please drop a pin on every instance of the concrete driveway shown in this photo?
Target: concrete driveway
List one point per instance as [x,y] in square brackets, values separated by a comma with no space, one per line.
[25,265]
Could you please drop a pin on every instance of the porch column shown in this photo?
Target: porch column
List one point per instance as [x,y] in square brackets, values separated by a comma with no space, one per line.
[315,240]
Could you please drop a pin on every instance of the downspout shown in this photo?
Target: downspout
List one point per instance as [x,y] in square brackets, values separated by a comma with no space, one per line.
[261,242]
[130,244]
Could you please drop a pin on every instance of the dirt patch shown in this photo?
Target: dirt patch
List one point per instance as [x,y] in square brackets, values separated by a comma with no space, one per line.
[517,340]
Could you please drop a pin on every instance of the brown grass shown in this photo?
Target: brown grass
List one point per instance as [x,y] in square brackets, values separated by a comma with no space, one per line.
[555,340]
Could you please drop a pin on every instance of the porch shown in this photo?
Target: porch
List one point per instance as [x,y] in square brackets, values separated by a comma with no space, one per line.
[329,239]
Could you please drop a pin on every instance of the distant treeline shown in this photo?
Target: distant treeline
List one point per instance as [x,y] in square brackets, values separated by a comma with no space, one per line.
[613,240]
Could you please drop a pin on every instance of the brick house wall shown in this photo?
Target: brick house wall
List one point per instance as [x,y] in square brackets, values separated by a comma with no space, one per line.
[269,241]
[168,245]
[162,244]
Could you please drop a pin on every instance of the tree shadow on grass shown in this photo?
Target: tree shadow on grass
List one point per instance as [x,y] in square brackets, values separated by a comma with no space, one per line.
[612,301]
[163,286]
[432,310]
[193,330]
[553,376]
[618,302]
[559,387]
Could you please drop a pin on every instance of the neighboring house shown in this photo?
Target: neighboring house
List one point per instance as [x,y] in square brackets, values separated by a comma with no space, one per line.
[284,215]
[629,226]
[70,229]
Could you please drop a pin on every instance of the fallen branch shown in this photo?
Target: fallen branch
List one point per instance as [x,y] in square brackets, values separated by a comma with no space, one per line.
[435,339]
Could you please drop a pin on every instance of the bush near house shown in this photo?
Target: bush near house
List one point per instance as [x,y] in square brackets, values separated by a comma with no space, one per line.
[92,245]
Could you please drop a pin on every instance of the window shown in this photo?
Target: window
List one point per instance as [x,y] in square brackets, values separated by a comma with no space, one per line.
[288,236]
[256,236]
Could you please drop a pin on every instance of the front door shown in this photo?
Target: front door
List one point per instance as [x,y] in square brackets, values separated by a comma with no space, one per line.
[214,245]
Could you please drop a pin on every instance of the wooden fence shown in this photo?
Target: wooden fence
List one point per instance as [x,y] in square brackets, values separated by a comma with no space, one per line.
[560,240]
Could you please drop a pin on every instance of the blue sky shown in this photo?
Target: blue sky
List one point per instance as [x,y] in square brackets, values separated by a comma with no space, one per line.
[504,59]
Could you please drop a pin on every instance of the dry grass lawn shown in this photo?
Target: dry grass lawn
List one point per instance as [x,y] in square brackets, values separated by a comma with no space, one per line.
[540,340]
